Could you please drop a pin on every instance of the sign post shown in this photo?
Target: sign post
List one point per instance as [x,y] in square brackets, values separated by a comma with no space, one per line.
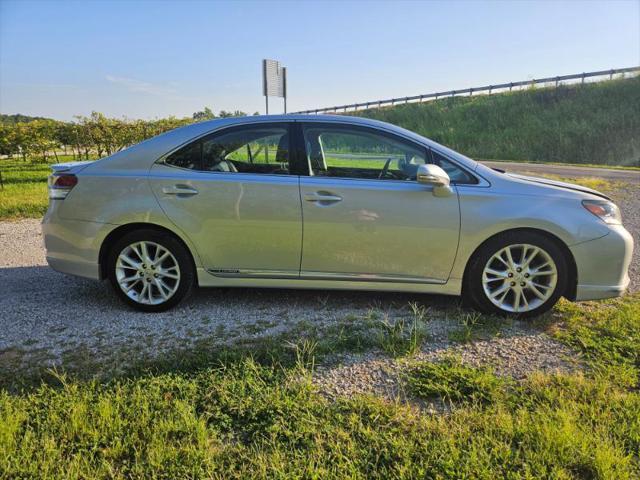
[274,82]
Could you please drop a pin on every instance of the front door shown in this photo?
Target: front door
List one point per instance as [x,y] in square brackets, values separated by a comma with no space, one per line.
[365,216]
[234,194]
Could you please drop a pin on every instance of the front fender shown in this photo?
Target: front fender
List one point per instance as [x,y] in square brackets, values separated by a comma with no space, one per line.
[485,213]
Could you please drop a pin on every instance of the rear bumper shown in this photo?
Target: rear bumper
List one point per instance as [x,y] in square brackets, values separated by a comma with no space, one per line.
[75,267]
[603,265]
[73,246]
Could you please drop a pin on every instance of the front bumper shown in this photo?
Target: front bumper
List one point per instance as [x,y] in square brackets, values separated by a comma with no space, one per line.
[603,265]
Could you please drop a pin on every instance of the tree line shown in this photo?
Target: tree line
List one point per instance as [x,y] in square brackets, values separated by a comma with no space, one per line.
[45,139]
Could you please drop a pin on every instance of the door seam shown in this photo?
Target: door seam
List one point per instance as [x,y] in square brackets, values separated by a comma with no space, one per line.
[301,226]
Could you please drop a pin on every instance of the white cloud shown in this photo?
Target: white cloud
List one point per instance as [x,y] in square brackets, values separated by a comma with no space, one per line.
[140,86]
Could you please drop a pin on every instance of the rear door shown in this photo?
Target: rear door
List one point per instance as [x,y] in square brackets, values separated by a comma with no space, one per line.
[365,216]
[235,194]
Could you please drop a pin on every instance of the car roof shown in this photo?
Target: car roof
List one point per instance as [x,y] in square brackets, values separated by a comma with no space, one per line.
[148,151]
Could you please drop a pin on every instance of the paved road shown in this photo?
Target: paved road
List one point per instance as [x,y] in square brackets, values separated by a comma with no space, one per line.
[630,176]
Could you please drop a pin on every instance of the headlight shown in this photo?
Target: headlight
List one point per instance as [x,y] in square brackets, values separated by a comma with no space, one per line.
[606,211]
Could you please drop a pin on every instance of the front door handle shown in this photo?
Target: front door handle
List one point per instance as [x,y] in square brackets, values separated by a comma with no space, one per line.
[180,190]
[324,198]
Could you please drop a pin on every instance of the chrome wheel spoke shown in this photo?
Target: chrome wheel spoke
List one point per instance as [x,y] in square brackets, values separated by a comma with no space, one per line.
[500,292]
[511,263]
[165,274]
[535,288]
[528,254]
[517,294]
[130,279]
[130,287]
[162,288]
[147,273]
[496,273]
[524,301]
[136,250]
[130,263]
[539,271]
[504,261]
[145,252]
[160,258]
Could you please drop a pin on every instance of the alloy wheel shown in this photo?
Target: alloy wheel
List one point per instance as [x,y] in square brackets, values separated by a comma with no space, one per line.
[519,278]
[147,273]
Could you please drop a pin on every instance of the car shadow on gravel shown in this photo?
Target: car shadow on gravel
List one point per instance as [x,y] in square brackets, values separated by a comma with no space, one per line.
[39,285]
[53,321]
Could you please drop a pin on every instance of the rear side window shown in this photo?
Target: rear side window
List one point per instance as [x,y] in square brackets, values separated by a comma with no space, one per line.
[247,149]
[186,157]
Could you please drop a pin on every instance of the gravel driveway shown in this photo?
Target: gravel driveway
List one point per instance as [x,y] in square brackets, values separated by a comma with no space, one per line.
[47,318]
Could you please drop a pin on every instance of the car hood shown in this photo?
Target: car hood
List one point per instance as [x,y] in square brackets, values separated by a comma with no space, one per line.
[555,183]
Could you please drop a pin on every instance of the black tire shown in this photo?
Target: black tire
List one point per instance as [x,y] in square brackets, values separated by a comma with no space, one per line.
[473,290]
[187,273]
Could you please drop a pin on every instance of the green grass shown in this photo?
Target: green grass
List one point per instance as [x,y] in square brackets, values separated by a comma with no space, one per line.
[594,183]
[24,194]
[566,164]
[594,123]
[246,416]
[451,380]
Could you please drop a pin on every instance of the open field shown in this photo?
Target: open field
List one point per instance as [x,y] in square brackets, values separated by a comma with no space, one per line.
[585,124]
[257,383]
[24,190]
[628,175]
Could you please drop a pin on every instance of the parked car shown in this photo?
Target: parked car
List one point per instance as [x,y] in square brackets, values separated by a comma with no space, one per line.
[328,202]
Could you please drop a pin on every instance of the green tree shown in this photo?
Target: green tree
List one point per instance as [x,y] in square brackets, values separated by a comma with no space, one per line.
[206,114]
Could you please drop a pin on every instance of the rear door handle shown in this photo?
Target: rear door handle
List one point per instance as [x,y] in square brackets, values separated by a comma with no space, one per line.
[322,197]
[180,190]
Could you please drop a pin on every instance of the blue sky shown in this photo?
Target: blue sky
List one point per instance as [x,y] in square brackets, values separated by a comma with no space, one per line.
[145,59]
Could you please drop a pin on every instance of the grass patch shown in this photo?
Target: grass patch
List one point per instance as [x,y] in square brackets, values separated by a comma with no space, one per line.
[403,336]
[451,380]
[608,337]
[253,413]
[474,325]
[589,182]
[564,164]
[24,192]
[588,123]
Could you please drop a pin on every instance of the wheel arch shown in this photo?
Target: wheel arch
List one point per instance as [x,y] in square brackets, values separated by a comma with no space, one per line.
[122,230]
[570,291]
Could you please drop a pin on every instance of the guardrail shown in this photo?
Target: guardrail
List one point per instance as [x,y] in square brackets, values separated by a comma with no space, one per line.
[470,91]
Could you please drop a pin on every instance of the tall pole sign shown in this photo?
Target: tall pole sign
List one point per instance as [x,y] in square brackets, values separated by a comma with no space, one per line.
[274,82]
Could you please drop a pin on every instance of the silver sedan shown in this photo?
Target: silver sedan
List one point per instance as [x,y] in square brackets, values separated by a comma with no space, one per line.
[328,202]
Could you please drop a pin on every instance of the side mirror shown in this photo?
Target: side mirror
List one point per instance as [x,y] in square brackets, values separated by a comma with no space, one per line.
[435,176]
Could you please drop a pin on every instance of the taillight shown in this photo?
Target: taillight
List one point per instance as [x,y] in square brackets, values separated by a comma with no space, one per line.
[60,184]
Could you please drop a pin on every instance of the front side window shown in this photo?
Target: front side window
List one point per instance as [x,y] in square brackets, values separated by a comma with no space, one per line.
[457,175]
[253,149]
[354,152]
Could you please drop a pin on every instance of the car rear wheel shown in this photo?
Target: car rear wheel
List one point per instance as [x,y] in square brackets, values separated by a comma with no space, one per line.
[521,274]
[150,270]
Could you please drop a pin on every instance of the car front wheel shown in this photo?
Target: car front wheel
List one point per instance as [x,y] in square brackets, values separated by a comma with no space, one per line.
[517,273]
[150,270]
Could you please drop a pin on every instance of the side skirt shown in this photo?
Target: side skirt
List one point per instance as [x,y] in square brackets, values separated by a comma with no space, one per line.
[344,282]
